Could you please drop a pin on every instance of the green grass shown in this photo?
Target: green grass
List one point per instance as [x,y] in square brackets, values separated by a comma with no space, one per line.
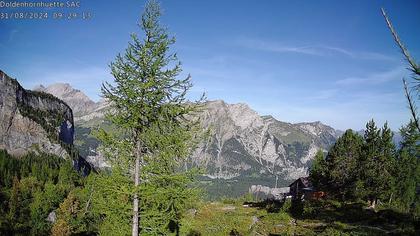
[219,219]
[230,217]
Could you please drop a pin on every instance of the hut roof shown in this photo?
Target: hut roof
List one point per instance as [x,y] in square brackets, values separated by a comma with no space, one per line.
[304,180]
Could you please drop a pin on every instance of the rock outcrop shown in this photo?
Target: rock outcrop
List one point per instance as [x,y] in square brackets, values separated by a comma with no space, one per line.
[77,100]
[33,121]
[244,143]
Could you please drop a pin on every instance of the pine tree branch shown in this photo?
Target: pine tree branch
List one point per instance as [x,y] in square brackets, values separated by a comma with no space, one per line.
[412,106]
[414,67]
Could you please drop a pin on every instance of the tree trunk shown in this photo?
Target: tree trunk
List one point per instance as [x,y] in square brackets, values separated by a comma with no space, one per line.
[136,218]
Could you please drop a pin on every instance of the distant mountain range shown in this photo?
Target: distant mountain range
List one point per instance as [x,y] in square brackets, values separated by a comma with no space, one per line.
[243,148]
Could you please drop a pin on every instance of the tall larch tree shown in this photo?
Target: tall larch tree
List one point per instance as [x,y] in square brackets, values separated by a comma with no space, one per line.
[149,108]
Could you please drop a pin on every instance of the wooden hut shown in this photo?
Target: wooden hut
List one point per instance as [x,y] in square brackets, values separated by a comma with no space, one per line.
[301,188]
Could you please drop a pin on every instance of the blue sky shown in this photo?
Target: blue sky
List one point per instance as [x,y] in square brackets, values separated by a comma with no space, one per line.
[328,61]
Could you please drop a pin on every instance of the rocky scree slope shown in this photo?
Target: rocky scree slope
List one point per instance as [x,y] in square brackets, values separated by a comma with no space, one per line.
[243,143]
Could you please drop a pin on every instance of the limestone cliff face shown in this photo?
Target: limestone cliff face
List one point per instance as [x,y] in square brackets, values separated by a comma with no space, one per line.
[243,143]
[33,121]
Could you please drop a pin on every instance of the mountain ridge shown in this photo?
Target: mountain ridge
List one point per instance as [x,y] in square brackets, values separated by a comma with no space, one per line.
[243,148]
[76,99]
[65,92]
[242,141]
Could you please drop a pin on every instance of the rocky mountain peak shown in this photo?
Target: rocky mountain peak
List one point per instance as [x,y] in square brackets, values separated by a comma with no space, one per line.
[239,114]
[76,99]
[244,117]
[63,90]
[317,128]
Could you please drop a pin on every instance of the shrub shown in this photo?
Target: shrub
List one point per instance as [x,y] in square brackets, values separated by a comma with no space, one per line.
[309,208]
[332,203]
[60,228]
[286,205]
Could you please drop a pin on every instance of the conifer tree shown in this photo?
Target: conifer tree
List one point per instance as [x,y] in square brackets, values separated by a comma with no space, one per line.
[408,168]
[318,171]
[370,155]
[342,163]
[407,179]
[410,139]
[149,110]
[388,161]
[377,163]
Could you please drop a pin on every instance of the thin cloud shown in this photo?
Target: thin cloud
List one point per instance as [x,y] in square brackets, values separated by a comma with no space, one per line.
[360,55]
[375,78]
[276,47]
[316,50]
